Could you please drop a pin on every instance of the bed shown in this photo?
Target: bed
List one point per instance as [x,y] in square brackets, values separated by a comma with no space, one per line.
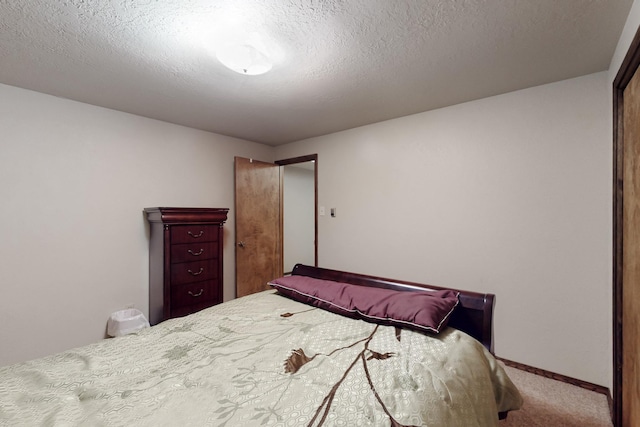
[278,359]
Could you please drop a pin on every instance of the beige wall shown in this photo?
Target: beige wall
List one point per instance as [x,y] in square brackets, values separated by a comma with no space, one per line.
[509,194]
[74,179]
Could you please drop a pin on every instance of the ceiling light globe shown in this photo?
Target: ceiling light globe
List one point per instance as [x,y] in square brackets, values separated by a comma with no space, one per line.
[244,59]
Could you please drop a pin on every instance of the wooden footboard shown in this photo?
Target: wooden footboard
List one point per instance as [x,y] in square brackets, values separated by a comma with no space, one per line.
[474,314]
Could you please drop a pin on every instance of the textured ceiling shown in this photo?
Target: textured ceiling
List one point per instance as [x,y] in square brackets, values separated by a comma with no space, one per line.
[339,63]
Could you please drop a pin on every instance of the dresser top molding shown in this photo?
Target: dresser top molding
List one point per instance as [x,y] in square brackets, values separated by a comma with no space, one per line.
[187,215]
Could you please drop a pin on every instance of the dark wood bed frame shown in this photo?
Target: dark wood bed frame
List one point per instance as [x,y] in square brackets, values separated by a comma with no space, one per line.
[473,315]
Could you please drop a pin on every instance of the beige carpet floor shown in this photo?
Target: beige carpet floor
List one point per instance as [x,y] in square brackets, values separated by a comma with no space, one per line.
[551,403]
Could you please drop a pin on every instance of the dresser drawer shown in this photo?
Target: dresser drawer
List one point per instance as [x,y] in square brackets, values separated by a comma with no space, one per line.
[193,251]
[197,271]
[194,233]
[194,294]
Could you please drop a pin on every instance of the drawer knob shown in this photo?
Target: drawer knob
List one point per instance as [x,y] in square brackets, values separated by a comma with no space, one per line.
[195,236]
[197,273]
[196,253]
[198,294]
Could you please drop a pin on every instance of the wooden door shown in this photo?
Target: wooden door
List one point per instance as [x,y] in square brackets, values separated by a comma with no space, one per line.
[631,255]
[258,225]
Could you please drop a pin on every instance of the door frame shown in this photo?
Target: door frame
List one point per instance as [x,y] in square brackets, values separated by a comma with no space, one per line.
[291,161]
[628,68]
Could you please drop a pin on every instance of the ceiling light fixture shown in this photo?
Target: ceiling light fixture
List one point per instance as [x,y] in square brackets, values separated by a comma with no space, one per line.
[244,58]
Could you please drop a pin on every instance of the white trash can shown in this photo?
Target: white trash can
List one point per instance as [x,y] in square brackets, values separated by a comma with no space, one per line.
[125,322]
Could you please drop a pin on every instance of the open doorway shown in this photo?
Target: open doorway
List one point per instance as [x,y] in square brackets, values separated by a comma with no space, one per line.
[260,219]
[299,211]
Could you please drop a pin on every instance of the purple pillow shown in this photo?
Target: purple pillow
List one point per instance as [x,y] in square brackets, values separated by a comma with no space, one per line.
[421,310]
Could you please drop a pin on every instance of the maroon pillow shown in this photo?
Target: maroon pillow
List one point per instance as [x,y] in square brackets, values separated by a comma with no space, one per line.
[422,310]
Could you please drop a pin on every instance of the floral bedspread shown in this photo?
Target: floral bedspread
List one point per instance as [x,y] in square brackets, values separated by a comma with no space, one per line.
[262,360]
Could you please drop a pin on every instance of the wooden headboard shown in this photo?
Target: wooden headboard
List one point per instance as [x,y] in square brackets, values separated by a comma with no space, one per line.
[473,315]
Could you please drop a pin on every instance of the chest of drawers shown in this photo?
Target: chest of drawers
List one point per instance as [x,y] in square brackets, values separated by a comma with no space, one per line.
[185,260]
